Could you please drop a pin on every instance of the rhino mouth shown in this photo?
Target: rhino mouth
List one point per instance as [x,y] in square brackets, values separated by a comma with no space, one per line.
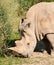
[23,56]
[20,54]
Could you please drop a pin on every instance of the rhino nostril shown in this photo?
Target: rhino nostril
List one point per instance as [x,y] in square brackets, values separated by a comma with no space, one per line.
[28,43]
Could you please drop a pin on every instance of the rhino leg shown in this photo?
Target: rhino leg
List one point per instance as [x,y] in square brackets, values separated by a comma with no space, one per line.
[50,37]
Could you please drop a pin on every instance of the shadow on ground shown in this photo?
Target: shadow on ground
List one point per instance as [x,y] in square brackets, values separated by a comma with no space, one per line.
[43,45]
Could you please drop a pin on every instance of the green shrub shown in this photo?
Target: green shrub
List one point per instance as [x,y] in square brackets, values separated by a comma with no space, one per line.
[5,30]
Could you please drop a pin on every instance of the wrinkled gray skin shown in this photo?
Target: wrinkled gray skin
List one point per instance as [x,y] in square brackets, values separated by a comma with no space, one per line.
[39,22]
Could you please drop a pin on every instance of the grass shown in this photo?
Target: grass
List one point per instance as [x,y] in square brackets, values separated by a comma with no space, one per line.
[14,61]
[39,59]
[18,61]
[6,61]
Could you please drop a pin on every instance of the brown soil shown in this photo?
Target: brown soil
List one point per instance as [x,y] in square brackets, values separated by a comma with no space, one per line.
[41,59]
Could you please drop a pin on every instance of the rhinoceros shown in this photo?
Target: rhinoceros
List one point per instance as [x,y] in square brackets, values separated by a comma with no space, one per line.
[38,23]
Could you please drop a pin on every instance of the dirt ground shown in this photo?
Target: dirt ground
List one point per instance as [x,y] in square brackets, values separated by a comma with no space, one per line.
[41,59]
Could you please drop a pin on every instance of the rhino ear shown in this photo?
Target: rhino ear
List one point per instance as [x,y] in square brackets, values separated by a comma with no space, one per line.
[21,21]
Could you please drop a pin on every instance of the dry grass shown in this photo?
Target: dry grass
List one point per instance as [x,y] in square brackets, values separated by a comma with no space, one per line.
[36,59]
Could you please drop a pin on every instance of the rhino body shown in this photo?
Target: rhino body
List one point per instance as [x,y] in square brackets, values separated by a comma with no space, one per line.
[38,23]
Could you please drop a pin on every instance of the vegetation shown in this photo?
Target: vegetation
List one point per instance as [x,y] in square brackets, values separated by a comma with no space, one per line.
[11,11]
[14,61]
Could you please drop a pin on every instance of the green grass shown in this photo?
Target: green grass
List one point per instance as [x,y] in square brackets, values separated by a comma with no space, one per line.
[15,36]
[21,60]
[14,61]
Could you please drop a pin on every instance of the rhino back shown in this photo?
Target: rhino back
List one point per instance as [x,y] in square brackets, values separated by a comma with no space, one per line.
[41,15]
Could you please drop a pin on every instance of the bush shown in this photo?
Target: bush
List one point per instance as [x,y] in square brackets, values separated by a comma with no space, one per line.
[8,24]
[5,30]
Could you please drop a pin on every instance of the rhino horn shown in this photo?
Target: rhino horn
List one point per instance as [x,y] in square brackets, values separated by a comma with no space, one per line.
[14,49]
[11,48]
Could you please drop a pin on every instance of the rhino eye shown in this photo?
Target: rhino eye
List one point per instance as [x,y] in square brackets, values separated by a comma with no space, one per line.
[28,43]
[28,25]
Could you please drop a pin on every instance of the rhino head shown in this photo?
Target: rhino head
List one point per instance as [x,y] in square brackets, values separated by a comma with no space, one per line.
[27,44]
[23,48]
